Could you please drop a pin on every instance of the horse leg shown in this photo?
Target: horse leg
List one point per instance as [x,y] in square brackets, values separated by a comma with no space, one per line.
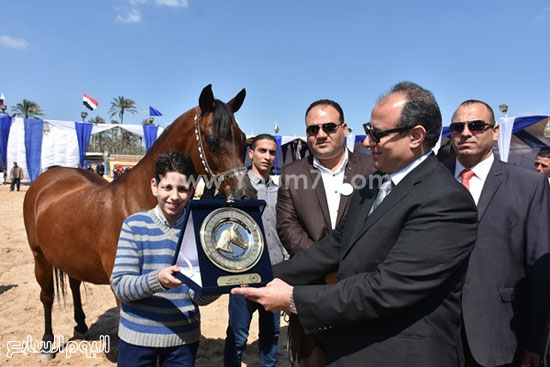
[81,328]
[43,271]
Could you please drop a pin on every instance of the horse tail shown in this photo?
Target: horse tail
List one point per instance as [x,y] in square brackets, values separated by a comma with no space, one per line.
[59,281]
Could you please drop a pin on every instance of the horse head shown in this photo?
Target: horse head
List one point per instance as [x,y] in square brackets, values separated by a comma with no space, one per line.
[221,144]
[237,238]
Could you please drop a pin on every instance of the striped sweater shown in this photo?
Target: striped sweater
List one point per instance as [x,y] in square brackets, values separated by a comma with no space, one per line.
[150,315]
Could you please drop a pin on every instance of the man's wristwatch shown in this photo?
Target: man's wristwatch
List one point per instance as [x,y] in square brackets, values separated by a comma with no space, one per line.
[292,307]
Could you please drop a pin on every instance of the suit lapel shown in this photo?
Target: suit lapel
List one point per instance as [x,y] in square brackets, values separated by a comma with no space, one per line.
[348,175]
[490,187]
[365,221]
[315,178]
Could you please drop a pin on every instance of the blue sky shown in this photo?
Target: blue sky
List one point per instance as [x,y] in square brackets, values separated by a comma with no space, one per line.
[285,53]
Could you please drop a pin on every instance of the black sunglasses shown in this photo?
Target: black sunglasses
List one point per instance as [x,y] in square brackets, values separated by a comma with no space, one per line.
[376,135]
[328,128]
[475,126]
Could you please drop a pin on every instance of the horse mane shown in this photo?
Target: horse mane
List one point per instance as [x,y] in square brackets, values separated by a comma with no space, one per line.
[222,121]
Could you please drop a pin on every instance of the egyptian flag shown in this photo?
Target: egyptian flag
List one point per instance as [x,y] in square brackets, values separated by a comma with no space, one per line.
[89,102]
[2,98]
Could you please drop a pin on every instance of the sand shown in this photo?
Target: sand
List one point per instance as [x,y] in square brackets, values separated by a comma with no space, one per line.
[22,318]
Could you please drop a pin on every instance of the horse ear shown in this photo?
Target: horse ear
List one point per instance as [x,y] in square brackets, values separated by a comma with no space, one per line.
[237,101]
[206,99]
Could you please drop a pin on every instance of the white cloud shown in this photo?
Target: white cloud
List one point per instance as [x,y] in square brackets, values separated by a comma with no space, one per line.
[544,16]
[128,15]
[173,3]
[131,14]
[11,42]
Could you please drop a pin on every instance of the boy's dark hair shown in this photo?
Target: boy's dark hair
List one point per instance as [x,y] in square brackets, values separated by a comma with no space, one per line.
[173,162]
[257,138]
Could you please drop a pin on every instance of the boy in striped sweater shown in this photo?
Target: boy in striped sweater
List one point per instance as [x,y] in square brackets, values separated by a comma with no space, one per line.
[159,317]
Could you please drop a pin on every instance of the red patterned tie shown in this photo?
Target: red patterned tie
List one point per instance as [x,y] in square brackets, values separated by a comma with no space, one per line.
[466,175]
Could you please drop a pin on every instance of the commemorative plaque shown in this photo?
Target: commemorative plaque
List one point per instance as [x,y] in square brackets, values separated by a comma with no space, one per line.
[222,246]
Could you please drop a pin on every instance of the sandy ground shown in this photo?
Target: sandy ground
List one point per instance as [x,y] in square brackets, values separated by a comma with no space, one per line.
[22,319]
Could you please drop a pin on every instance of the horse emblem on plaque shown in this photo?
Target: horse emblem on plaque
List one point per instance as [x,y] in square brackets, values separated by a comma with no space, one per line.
[231,239]
[223,246]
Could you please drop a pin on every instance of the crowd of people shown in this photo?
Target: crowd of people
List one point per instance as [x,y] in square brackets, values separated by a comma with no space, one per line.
[426,265]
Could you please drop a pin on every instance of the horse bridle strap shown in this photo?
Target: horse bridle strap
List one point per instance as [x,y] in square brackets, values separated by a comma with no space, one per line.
[226,174]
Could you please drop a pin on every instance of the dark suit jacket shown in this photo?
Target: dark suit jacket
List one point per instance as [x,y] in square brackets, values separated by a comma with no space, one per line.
[302,210]
[400,274]
[505,296]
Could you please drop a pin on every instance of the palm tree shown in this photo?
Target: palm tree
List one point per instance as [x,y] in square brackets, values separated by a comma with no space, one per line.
[121,105]
[97,120]
[27,109]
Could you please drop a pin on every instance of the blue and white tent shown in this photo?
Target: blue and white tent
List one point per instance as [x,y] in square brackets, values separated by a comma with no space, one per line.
[38,144]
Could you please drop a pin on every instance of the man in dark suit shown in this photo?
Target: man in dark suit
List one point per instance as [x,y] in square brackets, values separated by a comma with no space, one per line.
[505,297]
[314,195]
[401,251]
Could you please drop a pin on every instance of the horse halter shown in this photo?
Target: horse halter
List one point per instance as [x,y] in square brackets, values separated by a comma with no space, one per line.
[226,174]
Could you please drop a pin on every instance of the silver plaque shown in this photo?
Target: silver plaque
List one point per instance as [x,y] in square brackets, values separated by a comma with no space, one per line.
[232,240]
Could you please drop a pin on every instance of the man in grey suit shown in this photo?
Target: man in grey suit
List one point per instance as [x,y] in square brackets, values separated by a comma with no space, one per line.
[505,296]
[400,252]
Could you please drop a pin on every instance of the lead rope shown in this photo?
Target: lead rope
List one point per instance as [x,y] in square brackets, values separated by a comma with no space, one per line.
[202,155]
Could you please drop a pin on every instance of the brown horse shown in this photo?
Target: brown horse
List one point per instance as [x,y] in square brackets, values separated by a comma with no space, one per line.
[73,217]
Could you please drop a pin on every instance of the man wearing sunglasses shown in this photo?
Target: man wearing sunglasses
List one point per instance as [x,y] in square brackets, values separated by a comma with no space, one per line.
[505,296]
[308,210]
[401,251]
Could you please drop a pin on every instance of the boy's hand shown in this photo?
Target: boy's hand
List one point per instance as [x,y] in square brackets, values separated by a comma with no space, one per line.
[166,279]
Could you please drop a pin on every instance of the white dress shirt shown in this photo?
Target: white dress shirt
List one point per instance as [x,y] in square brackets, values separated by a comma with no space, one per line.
[332,181]
[481,171]
[396,177]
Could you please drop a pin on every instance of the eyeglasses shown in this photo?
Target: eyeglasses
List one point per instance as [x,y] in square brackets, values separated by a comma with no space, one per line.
[376,135]
[475,126]
[328,128]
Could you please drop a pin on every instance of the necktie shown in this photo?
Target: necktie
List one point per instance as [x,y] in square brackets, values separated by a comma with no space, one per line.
[383,191]
[466,175]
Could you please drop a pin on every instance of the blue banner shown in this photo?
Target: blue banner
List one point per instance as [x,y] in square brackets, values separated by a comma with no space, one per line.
[83,133]
[150,133]
[33,146]
[5,124]
[279,140]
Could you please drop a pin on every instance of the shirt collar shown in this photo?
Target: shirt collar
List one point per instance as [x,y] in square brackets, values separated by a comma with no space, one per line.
[160,216]
[481,170]
[317,164]
[396,177]
[255,180]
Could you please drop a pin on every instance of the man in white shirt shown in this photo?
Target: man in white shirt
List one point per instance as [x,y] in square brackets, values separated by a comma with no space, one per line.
[314,195]
[505,296]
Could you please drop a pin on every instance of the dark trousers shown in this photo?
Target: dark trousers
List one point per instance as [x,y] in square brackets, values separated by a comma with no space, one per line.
[130,355]
[240,315]
[15,181]
[310,349]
